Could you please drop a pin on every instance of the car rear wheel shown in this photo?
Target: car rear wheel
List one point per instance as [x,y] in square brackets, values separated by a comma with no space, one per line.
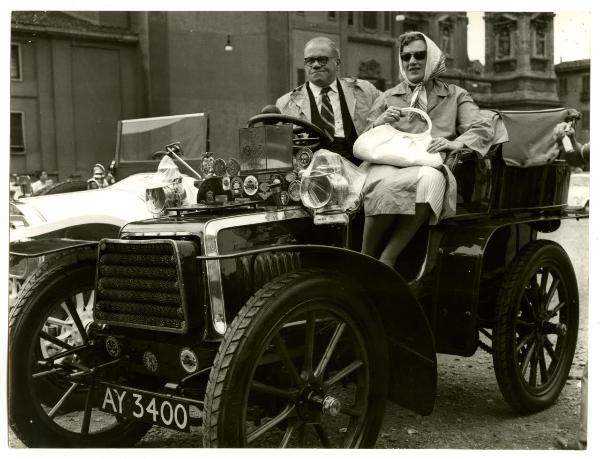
[535,333]
[52,399]
[304,364]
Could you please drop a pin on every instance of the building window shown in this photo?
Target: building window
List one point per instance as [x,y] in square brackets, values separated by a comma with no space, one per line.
[504,46]
[540,40]
[351,18]
[15,62]
[562,87]
[17,130]
[411,26]
[585,88]
[585,119]
[331,15]
[387,21]
[585,83]
[446,39]
[370,70]
[369,20]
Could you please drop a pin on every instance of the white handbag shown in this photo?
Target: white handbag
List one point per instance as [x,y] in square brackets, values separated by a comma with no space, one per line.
[386,145]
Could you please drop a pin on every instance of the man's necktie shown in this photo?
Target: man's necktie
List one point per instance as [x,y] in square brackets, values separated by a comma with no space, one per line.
[327,112]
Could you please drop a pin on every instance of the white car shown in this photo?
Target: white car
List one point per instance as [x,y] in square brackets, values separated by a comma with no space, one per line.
[91,215]
[87,215]
[579,189]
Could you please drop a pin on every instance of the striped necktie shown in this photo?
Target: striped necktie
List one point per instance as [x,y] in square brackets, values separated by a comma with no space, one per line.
[327,112]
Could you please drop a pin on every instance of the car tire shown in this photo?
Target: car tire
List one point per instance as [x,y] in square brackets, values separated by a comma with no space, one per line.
[535,332]
[548,226]
[43,318]
[266,388]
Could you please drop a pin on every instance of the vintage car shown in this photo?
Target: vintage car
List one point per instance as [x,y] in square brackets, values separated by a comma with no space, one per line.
[100,213]
[251,318]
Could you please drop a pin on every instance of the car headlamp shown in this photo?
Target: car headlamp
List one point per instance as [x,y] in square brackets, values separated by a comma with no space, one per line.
[166,189]
[316,190]
[331,186]
[324,189]
[161,198]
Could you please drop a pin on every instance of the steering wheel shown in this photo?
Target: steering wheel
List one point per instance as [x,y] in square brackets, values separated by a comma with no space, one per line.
[316,135]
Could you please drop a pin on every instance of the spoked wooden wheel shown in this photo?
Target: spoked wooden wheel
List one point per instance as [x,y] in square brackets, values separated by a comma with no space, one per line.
[52,396]
[303,365]
[535,334]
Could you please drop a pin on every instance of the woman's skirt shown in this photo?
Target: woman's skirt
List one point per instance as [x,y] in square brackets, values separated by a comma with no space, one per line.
[395,190]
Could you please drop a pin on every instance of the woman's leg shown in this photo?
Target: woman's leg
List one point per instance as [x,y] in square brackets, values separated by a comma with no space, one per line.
[375,229]
[406,227]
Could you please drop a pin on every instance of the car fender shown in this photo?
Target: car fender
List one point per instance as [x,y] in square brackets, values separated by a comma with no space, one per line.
[42,247]
[411,346]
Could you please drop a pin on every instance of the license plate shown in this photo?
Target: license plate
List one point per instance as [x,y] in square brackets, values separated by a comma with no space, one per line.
[170,412]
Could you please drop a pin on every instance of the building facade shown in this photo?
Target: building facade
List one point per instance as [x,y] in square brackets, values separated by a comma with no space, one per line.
[573,81]
[74,75]
[71,80]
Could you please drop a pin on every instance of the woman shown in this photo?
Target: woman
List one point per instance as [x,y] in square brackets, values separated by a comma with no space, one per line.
[403,199]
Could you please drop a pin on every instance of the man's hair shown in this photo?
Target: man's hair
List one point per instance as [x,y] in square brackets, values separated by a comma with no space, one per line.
[409,37]
[335,52]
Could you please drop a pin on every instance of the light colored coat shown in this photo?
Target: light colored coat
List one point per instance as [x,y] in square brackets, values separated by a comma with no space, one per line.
[454,115]
[360,96]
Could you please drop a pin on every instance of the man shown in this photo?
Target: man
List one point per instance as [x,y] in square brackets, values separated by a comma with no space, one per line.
[42,182]
[578,154]
[339,106]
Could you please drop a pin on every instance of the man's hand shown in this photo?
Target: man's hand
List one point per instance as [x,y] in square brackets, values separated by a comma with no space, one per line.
[439,144]
[566,129]
[562,129]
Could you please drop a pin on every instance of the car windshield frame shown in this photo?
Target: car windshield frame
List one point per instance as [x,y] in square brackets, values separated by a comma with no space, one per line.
[139,139]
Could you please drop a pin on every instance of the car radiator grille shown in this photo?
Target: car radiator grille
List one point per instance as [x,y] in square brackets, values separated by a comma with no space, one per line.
[141,284]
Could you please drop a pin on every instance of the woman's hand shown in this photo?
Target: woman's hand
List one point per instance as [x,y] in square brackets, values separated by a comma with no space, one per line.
[439,144]
[391,115]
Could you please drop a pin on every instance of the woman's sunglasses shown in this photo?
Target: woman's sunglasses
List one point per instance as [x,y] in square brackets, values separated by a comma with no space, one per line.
[419,55]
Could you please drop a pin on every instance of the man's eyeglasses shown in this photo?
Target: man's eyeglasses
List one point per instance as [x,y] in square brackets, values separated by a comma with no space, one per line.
[418,55]
[322,60]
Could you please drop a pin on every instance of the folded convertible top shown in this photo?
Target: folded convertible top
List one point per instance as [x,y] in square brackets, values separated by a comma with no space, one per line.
[530,135]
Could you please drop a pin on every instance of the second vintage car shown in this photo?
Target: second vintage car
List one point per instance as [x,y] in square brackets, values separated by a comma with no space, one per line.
[96,214]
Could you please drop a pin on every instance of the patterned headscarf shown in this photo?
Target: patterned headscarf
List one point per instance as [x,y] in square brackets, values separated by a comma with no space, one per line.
[434,66]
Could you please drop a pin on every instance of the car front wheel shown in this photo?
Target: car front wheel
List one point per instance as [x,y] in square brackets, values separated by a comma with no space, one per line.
[304,364]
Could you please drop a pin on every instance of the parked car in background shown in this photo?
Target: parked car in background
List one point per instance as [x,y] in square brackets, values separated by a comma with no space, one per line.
[96,214]
[579,189]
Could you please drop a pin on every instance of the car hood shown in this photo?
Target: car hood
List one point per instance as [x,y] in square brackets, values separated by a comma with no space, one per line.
[115,205]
